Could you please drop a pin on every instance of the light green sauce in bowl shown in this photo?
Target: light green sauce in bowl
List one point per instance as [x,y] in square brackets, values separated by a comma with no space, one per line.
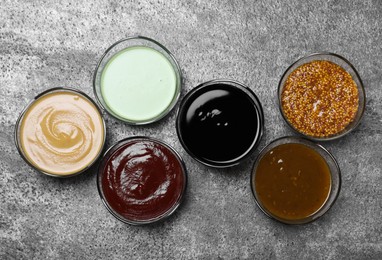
[137,81]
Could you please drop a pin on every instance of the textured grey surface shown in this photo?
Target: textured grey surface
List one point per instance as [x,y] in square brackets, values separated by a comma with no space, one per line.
[46,44]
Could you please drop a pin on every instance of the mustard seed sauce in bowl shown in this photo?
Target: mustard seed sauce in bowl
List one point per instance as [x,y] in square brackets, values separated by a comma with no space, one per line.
[322,97]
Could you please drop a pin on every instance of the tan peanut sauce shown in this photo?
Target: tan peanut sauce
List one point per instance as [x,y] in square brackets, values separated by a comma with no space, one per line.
[62,133]
[292,181]
[320,98]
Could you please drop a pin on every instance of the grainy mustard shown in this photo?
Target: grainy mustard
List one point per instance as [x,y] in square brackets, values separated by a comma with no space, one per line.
[320,98]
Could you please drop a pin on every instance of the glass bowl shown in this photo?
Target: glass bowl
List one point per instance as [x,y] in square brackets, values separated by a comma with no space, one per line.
[348,67]
[269,150]
[61,128]
[134,68]
[141,180]
[220,123]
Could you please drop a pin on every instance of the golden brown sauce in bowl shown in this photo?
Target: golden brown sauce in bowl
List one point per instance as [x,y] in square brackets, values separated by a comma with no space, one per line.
[294,180]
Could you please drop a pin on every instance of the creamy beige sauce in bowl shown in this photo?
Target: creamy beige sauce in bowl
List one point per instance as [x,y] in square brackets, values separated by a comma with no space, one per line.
[61,133]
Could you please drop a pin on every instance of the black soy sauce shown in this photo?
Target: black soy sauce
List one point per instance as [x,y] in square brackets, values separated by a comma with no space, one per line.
[219,124]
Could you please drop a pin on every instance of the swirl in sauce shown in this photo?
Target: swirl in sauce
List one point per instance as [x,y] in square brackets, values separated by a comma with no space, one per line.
[142,180]
[62,133]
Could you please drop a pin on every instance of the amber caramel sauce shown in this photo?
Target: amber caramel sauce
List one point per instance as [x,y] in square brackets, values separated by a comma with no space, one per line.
[292,181]
[61,133]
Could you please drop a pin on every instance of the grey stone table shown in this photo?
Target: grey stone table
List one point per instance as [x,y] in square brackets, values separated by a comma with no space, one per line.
[45,44]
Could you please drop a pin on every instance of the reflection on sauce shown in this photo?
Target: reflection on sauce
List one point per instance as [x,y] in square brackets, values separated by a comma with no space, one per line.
[61,133]
[292,181]
[143,180]
[219,124]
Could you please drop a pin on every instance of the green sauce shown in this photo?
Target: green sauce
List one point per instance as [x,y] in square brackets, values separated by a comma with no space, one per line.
[138,83]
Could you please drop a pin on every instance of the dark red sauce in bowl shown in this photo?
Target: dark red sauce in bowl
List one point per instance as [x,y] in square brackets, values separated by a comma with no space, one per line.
[141,180]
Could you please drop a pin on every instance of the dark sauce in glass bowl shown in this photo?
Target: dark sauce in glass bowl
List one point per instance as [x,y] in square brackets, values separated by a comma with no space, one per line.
[220,122]
[295,181]
[292,181]
[141,180]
